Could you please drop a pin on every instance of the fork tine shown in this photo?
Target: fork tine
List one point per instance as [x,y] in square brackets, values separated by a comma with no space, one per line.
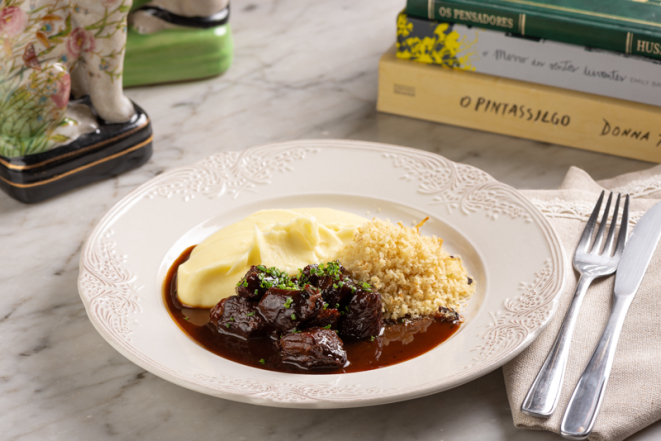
[589,227]
[596,247]
[608,248]
[624,225]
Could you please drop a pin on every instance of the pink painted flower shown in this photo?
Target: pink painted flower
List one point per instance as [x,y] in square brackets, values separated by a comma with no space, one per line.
[12,21]
[62,91]
[79,41]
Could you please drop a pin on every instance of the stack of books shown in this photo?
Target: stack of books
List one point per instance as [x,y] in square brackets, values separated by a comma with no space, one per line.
[577,73]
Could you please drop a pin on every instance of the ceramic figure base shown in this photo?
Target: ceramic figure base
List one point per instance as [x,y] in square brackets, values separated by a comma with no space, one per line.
[107,152]
[173,55]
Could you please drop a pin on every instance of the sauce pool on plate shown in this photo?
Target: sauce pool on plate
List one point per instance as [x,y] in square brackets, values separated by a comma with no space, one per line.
[399,341]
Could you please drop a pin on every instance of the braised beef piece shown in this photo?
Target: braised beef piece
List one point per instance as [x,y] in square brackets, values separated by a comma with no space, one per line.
[239,317]
[336,292]
[447,315]
[313,273]
[326,317]
[257,281]
[285,309]
[363,316]
[313,348]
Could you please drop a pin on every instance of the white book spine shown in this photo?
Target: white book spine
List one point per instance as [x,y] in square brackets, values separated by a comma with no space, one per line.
[550,63]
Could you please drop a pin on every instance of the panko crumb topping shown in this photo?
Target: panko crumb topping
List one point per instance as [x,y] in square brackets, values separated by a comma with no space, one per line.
[414,274]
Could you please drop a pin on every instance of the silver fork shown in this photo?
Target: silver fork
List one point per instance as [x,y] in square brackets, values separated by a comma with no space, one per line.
[591,263]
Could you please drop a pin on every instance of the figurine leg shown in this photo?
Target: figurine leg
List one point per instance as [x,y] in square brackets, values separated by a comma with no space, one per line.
[109,101]
[105,86]
[146,23]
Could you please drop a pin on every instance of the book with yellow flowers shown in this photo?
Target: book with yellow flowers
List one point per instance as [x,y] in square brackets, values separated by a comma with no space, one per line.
[602,72]
[518,108]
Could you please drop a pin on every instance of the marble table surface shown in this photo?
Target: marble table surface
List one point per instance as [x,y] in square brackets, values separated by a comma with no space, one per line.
[301,70]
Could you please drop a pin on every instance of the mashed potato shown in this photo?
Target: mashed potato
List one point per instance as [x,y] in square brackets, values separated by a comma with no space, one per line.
[413,273]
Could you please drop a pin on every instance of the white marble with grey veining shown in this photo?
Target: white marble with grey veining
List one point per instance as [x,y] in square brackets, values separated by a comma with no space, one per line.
[303,69]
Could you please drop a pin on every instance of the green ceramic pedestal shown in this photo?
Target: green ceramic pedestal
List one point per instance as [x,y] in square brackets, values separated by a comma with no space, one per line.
[177,55]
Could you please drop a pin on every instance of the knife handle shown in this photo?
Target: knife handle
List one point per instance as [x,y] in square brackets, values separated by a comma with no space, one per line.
[584,404]
[542,397]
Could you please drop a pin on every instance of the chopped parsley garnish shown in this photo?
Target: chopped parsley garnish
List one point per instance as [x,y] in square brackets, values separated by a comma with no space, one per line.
[261,268]
[231,319]
[327,326]
[288,302]
[293,316]
[250,314]
[325,305]
[295,331]
[262,361]
[372,338]
[256,292]
[185,318]
[337,305]
[228,325]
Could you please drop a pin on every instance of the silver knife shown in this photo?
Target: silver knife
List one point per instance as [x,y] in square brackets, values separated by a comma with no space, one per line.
[581,413]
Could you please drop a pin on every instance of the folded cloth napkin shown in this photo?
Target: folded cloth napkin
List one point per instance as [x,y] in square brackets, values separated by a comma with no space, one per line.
[633,396]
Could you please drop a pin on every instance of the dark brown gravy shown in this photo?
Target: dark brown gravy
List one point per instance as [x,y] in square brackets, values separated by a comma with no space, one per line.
[399,342]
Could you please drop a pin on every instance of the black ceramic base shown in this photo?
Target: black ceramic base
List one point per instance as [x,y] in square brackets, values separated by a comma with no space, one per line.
[111,150]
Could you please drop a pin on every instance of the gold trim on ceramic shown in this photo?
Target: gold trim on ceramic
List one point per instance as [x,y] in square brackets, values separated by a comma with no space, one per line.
[70,172]
[11,166]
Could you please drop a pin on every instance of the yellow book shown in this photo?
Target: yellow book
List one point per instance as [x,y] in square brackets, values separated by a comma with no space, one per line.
[517,108]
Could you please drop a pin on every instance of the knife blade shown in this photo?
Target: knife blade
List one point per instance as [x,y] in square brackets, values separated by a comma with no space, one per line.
[638,252]
[585,402]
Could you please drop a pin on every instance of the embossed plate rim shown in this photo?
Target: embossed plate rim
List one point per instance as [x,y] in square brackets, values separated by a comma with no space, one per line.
[112,296]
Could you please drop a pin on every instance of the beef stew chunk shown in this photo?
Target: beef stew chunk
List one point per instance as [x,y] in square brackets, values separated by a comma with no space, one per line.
[335,292]
[313,273]
[313,348]
[327,318]
[447,315]
[285,309]
[363,316]
[238,317]
[260,279]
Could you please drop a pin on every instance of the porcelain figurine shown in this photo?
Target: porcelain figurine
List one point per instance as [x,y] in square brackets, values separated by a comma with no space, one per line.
[177,40]
[64,120]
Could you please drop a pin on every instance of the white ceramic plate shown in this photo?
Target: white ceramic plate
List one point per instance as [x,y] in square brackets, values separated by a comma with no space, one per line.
[506,243]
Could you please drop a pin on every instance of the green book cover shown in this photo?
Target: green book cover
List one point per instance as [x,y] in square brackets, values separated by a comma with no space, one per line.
[632,27]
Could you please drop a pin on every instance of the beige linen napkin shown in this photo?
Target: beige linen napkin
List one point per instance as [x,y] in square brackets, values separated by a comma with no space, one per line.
[633,395]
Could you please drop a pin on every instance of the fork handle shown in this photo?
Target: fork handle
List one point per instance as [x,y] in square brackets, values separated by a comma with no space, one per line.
[586,400]
[543,395]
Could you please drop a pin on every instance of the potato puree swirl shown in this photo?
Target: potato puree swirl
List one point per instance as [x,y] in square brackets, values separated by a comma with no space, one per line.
[286,239]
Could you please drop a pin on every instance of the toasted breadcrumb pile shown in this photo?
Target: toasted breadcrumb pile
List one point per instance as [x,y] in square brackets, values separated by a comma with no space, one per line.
[413,273]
